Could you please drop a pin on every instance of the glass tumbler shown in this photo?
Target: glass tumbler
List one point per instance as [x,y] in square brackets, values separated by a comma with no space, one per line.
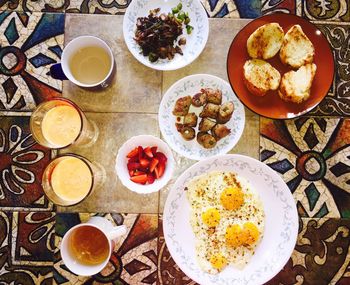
[59,123]
[70,179]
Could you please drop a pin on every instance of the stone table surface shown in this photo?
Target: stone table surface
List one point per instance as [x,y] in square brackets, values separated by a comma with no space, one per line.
[31,227]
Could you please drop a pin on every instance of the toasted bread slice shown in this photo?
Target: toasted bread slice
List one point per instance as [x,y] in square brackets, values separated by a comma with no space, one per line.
[266,41]
[297,49]
[295,85]
[260,76]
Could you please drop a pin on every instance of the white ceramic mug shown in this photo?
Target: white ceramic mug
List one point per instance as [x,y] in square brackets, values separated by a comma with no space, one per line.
[62,70]
[110,232]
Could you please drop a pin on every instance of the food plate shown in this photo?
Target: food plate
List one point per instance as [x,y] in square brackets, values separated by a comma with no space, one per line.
[281,222]
[271,105]
[195,41]
[191,85]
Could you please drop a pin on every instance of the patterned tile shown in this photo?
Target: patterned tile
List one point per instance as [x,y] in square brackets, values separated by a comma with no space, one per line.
[232,9]
[26,247]
[312,155]
[337,102]
[22,162]
[283,6]
[326,10]
[30,43]
[134,260]
[321,255]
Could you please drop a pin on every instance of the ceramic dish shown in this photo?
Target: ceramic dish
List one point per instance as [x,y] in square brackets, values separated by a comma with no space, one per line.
[144,141]
[191,85]
[271,105]
[195,42]
[281,222]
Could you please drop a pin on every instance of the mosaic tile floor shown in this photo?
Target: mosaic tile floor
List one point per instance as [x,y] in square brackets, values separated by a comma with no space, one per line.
[312,155]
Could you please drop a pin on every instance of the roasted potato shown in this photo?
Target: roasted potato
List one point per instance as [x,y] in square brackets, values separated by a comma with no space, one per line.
[200,99]
[182,106]
[210,110]
[225,112]
[206,124]
[206,140]
[190,120]
[220,131]
[188,133]
[213,95]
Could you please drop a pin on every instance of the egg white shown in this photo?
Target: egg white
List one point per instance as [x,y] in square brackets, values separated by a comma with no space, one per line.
[203,192]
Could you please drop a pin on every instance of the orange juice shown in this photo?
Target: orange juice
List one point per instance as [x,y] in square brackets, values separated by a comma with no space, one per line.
[61,125]
[71,179]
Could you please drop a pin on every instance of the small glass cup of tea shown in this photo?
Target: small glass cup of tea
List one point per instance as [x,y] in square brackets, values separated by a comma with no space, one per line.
[70,178]
[59,123]
[86,248]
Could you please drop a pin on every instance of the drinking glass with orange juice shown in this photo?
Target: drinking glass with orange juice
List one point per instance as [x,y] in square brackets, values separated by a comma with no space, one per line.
[69,179]
[59,123]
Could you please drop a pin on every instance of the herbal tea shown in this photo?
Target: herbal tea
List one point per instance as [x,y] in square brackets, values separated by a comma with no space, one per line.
[90,65]
[88,245]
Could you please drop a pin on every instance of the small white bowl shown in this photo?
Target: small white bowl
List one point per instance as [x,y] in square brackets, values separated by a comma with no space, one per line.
[122,160]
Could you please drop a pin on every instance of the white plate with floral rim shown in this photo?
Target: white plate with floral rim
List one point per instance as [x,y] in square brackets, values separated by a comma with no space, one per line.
[195,42]
[191,85]
[281,223]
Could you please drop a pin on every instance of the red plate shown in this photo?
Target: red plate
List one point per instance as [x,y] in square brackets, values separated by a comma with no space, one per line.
[271,105]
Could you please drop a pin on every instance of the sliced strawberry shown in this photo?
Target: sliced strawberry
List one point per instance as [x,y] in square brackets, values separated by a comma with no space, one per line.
[141,179]
[144,162]
[133,165]
[148,152]
[133,153]
[154,149]
[161,168]
[134,158]
[140,152]
[144,169]
[161,157]
[153,164]
[156,172]
[150,178]
[131,172]
[138,172]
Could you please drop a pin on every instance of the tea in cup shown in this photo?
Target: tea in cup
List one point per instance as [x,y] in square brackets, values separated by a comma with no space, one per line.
[87,61]
[86,248]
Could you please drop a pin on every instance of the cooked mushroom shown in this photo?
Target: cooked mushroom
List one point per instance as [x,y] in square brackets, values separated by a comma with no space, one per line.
[182,106]
[213,95]
[225,112]
[188,133]
[190,120]
[220,131]
[210,110]
[199,99]
[206,140]
[179,127]
[205,125]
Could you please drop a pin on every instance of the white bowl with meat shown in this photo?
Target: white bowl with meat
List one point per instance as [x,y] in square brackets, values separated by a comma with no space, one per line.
[200,116]
[165,35]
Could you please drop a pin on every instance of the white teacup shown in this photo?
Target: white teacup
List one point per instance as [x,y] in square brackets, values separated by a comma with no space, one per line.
[107,229]
[94,69]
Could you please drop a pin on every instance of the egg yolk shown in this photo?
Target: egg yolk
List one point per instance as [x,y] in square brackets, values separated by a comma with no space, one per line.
[211,217]
[250,233]
[232,198]
[233,235]
[218,261]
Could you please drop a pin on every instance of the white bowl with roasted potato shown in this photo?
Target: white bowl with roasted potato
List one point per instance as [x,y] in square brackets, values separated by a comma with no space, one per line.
[200,116]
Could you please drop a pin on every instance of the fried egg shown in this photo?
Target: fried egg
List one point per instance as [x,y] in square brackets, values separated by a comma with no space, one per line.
[227,218]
